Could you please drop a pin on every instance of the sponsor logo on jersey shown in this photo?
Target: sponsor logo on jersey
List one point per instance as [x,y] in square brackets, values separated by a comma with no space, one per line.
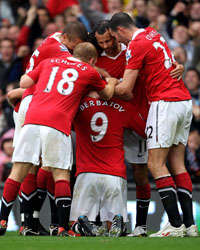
[63,48]
[128,54]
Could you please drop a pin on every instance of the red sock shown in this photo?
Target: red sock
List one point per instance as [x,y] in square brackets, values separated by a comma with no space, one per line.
[183,181]
[143,192]
[143,195]
[165,182]
[42,178]
[11,189]
[62,189]
[63,202]
[20,191]
[29,187]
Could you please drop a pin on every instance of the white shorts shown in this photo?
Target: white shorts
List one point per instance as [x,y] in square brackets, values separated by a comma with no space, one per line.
[53,146]
[168,123]
[20,117]
[135,148]
[94,193]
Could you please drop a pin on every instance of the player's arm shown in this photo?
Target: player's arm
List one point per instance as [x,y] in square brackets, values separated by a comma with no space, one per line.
[26,82]
[125,87]
[102,72]
[109,89]
[15,95]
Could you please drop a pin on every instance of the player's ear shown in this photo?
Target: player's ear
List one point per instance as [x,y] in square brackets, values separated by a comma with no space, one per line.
[92,61]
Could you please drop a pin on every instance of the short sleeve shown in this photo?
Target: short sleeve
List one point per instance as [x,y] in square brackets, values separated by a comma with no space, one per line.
[34,74]
[97,81]
[135,55]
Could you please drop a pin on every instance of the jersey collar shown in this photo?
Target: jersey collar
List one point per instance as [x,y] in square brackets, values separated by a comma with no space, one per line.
[123,48]
[137,33]
[71,58]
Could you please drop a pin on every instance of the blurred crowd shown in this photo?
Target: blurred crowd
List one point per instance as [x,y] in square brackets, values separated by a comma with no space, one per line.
[24,24]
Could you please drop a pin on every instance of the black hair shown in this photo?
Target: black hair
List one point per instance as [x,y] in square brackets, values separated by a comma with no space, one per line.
[101,28]
[121,19]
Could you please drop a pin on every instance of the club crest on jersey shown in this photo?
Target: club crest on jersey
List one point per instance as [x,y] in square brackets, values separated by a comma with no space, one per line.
[128,54]
[63,48]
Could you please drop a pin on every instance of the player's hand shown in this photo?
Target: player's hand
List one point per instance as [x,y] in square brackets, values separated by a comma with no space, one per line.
[177,72]
[113,80]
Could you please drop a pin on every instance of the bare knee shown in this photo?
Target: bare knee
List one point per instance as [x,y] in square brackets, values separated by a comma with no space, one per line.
[60,174]
[19,171]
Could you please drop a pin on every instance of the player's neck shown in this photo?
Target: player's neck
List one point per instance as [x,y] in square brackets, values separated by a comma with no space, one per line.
[128,34]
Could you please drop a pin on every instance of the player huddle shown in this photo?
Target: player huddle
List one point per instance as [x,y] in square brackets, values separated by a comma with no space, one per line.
[132,97]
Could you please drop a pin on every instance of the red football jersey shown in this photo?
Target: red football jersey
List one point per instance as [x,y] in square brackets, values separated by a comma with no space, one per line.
[149,53]
[115,66]
[61,83]
[50,47]
[99,127]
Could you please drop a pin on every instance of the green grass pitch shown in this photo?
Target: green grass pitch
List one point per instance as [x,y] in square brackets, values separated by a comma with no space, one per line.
[12,241]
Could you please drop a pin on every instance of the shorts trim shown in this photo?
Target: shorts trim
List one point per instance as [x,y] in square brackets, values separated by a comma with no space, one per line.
[101,174]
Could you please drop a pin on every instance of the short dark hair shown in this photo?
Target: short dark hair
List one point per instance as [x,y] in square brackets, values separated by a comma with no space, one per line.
[76,30]
[121,19]
[101,28]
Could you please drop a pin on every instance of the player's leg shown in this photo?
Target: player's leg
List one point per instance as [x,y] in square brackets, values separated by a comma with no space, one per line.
[136,154]
[143,195]
[85,203]
[165,184]
[57,154]
[62,197]
[113,205]
[28,186]
[28,193]
[53,228]
[10,191]
[27,152]
[161,129]
[184,187]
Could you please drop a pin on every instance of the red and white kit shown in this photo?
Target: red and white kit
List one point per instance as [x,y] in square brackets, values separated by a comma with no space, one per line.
[50,47]
[134,145]
[170,100]
[61,83]
[99,127]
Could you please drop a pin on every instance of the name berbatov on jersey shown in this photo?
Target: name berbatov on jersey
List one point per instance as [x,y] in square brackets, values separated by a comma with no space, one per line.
[93,103]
